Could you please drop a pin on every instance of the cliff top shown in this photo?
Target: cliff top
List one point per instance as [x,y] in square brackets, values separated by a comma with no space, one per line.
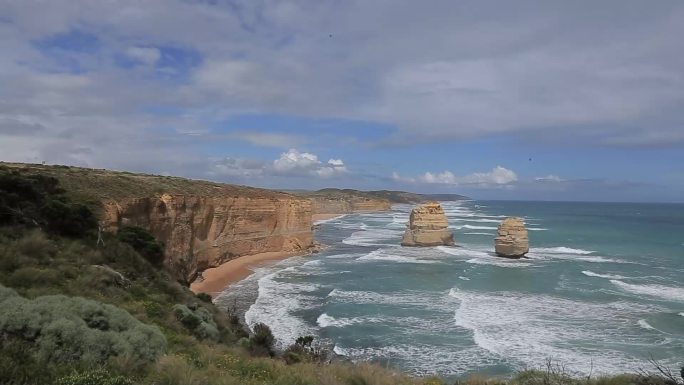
[100,184]
[390,195]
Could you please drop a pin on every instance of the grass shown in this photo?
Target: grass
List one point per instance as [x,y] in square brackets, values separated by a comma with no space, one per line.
[96,185]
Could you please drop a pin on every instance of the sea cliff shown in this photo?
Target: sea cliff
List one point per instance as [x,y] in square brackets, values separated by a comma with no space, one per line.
[200,232]
[201,224]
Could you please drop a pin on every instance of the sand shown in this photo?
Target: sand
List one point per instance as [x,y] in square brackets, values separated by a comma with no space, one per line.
[322,217]
[217,278]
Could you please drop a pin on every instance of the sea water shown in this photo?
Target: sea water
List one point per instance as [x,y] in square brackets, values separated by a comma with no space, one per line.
[601,290]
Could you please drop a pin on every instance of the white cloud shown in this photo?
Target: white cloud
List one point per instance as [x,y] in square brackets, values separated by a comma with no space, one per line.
[498,176]
[145,55]
[290,164]
[295,163]
[549,178]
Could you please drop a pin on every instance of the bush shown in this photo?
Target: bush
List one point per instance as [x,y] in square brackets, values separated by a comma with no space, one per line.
[94,377]
[303,350]
[38,201]
[261,341]
[204,297]
[199,321]
[143,242]
[75,330]
[66,218]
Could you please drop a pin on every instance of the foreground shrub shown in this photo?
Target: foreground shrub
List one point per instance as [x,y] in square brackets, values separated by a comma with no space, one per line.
[304,350]
[143,242]
[204,297]
[65,329]
[261,341]
[94,377]
[198,320]
[38,201]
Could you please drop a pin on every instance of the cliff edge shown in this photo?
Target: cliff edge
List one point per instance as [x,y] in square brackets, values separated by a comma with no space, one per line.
[201,224]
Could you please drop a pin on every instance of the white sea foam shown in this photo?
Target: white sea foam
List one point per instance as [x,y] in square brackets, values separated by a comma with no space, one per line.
[537,229]
[497,261]
[382,255]
[560,250]
[662,292]
[608,276]
[340,351]
[324,321]
[569,253]
[681,314]
[463,278]
[645,325]
[471,227]
[372,237]
[463,252]
[407,298]
[480,220]
[476,233]
[528,328]
[437,359]
[277,301]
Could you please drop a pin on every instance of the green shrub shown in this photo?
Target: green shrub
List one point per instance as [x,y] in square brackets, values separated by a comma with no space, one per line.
[38,201]
[93,377]
[261,341]
[304,350]
[204,297]
[72,329]
[143,242]
[66,218]
[199,321]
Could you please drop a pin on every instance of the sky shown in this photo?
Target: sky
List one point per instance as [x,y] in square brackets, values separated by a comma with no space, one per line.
[531,100]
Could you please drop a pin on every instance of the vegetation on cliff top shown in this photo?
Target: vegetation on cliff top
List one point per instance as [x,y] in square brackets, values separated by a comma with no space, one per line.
[75,311]
[390,195]
[94,185]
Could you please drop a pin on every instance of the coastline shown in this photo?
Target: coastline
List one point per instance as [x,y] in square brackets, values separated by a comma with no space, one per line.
[322,218]
[215,279]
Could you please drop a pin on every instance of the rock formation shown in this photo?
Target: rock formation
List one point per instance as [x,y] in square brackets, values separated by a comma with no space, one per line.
[511,240]
[204,231]
[427,227]
[347,205]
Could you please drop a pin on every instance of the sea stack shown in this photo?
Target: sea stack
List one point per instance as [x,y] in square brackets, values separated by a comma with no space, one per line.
[511,240]
[428,226]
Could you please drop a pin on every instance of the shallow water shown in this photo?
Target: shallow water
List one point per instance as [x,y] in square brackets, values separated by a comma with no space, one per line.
[601,291]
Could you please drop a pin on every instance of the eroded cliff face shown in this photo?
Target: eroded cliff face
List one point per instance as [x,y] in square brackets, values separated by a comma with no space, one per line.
[204,231]
[325,205]
[511,240]
[428,226]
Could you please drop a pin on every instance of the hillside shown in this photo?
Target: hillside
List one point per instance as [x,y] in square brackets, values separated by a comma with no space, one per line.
[202,224]
[389,195]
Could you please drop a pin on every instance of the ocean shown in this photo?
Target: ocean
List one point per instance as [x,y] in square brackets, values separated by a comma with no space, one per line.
[601,291]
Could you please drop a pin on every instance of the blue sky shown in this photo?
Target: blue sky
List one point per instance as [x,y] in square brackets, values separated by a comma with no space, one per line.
[548,100]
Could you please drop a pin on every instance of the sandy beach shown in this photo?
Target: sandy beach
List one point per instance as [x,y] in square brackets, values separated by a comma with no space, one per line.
[323,217]
[217,278]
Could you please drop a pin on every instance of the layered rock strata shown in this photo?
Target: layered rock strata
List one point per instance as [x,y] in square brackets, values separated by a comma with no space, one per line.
[511,240]
[199,232]
[428,226]
[347,205]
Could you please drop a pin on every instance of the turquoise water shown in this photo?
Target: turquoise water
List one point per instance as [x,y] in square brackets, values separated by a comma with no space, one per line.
[602,290]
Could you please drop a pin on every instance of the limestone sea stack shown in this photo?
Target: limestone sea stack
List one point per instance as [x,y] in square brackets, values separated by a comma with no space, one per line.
[511,240]
[428,226]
